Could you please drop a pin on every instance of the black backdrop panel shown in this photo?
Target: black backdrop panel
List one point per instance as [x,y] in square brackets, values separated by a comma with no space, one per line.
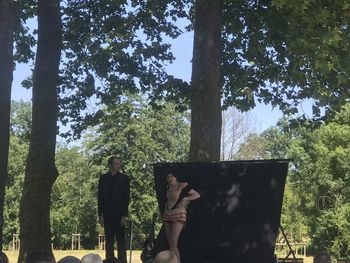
[238,215]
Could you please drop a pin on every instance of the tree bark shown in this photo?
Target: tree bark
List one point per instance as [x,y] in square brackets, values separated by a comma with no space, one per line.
[41,172]
[7,21]
[206,81]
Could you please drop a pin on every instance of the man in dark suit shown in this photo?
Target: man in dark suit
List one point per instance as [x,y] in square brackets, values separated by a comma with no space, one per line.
[113,203]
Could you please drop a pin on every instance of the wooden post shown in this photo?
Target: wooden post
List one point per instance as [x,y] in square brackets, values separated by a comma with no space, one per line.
[101,242]
[15,242]
[76,242]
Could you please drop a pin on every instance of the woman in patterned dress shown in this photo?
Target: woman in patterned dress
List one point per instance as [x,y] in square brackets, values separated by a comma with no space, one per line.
[178,196]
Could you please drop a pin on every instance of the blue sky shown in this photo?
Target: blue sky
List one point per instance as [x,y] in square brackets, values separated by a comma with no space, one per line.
[263,115]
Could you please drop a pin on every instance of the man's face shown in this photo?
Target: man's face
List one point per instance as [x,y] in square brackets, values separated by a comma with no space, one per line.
[116,165]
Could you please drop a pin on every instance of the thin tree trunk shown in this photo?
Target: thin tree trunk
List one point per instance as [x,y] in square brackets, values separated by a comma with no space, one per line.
[223,136]
[7,20]
[206,82]
[41,171]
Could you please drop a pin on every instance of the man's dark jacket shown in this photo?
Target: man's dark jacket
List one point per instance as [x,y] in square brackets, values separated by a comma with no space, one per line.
[113,195]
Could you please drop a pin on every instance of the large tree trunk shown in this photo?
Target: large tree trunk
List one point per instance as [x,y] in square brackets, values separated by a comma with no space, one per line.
[7,16]
[206,82]
[41,171]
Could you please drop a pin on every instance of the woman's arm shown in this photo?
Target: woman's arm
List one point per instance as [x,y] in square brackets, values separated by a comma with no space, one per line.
[192,195]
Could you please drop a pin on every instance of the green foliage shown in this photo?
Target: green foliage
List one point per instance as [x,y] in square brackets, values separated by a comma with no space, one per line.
[317,195]
[133,130]
[277,52]
[74,203]
[19,138]
[274,144]
[292,219]
[17,156]
[112,47]
[140,136]
[324,174]
[331,232]
[24,36]
[317,33]
[253,148]
[21,119]
[285,51]
[274,51]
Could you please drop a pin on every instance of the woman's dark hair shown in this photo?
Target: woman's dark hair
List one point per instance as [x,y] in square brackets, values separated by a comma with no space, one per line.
[180,176]
[170,171]
[173,174]
[111,159]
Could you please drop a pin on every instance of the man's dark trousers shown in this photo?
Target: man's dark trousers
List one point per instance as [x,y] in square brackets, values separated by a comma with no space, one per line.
[113,230]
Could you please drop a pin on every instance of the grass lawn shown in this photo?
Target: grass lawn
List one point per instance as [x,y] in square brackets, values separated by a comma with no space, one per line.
[13,255]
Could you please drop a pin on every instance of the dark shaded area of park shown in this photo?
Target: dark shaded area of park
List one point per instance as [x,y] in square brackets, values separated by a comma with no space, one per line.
[238,215]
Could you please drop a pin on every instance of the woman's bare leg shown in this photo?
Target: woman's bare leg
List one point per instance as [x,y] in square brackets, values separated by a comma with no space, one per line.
[175,231]
[167,228]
